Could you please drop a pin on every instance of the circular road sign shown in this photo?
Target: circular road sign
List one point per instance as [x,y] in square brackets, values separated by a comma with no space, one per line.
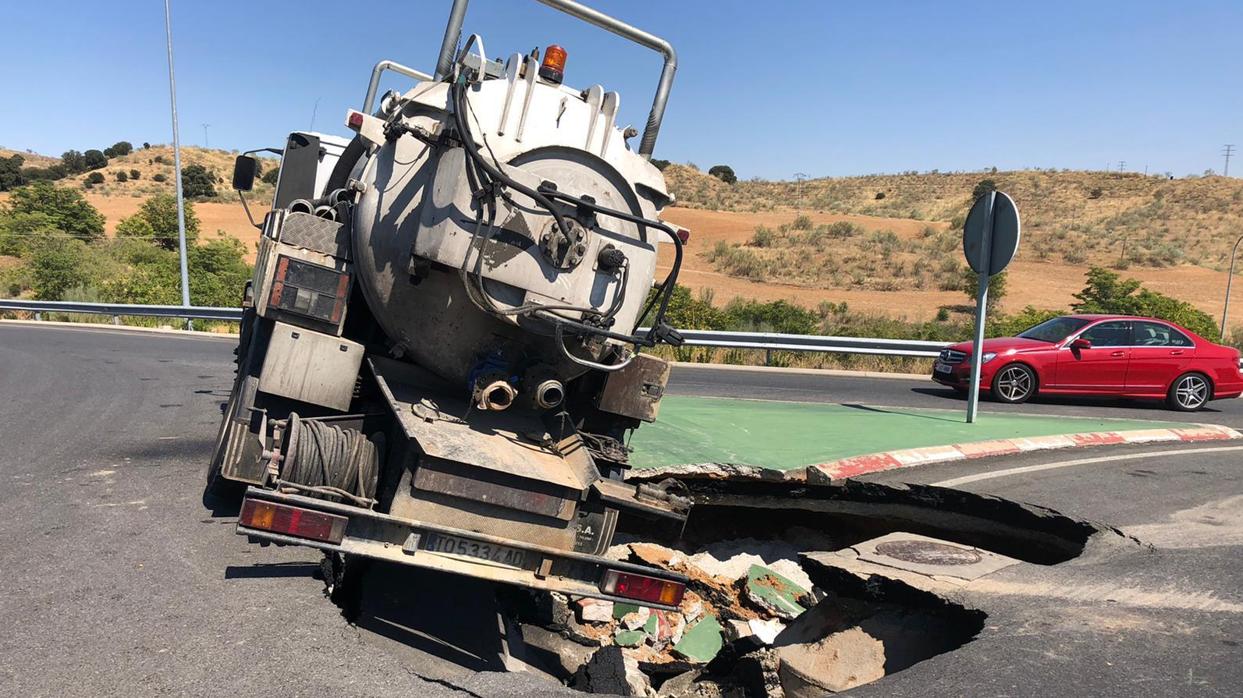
[995,232]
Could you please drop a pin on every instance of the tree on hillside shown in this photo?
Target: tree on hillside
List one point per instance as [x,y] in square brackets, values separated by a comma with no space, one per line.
[659,164]
[70,211]
[73,161]
[983,187]
[58,265]
[94,159]
[118,149]
[197,182]
[50,173]
[160,212]
[11,172]
[1106,292]
[271,175]
[996,287]
[725,173]
[22,232]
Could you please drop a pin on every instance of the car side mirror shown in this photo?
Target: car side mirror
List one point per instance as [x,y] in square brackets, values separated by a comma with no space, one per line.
[245,168]
[1080,343]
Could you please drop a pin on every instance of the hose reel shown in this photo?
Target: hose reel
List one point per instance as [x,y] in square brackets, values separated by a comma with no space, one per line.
[323,459]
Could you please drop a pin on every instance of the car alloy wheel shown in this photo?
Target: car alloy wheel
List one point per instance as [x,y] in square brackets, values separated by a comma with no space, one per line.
[1014,383]
[1190,392]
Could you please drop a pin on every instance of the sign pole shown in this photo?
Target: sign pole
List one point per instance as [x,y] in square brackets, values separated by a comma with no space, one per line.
[981,309]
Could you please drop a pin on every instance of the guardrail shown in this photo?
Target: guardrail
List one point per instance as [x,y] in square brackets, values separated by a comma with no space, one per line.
[766,341]
[116,310]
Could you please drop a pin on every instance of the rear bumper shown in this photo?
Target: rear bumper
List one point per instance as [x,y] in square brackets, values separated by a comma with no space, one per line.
[383,537]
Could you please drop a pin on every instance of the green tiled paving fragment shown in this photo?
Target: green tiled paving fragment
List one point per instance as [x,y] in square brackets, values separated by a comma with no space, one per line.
[652,625]
[788,435]
[629,638]
[701,641]
[770,590]
[621,610]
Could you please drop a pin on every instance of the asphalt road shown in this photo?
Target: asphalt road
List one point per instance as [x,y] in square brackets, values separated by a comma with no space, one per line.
[118,581]
[821,386]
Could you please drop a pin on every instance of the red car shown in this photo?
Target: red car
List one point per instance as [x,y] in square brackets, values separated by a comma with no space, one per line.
[1115,355]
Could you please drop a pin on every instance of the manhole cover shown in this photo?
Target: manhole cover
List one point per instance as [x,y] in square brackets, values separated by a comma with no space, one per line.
[926,552]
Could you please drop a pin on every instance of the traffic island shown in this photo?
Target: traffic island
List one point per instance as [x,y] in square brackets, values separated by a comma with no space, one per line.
[733,437]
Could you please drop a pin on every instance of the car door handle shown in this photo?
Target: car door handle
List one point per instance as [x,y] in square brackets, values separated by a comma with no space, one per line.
[1118,353]
[1176,352]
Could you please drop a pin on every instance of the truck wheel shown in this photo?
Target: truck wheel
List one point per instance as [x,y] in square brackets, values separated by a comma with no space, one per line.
[219,491]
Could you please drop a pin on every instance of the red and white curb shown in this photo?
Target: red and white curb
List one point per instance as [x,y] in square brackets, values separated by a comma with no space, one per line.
[908,457]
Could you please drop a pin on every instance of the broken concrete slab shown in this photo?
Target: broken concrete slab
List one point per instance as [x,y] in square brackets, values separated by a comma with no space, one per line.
[714,471]
[629,638]
[702,641]
[774,593]
[931,556]
[593,610]
[621,610]
[766,630]
[553,652]
[637,618]
[732,559]
[834,664]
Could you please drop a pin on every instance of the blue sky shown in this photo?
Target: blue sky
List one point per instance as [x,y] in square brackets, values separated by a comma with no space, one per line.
[771,88]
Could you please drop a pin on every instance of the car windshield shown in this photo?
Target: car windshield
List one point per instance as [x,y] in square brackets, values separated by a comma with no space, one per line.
[1054,330]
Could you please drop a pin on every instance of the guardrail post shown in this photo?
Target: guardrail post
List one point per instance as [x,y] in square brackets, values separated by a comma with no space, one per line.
[116,319]
[38,316]
[768,357]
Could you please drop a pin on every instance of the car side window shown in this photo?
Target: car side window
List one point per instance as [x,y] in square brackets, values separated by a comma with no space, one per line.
[1109,334]
[1155,334]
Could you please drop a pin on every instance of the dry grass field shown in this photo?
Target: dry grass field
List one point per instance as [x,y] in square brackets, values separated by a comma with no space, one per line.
[898,255]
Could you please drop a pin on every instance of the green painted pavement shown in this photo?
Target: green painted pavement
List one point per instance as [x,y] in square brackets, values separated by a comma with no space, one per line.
[788,435]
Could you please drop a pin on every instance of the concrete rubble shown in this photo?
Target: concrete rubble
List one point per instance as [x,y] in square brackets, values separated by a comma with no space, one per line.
[750,623]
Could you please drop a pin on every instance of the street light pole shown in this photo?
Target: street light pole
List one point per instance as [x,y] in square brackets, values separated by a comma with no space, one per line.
[1229,281]
[181,206]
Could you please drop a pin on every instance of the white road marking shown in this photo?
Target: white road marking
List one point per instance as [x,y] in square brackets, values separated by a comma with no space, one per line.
[955,482]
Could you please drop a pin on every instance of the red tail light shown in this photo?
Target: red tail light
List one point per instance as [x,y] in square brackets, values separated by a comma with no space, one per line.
[642,588]
[292,521]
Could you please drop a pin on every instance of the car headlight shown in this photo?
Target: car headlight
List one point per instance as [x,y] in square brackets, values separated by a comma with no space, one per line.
[988,356]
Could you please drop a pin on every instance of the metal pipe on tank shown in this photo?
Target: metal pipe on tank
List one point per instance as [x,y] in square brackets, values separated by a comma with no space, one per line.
[657,114]
[453,32]
[497,396]
[549,394]
[301,206]
[326,212]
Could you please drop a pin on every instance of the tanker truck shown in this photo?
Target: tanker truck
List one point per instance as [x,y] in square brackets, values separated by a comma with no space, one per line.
[442,352]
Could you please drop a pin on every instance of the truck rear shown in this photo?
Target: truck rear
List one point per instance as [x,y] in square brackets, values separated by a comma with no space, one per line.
[441,357]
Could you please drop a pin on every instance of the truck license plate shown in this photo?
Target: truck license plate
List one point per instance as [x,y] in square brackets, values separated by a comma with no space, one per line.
[452,545]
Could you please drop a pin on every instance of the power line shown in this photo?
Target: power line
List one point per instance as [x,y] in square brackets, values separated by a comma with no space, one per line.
[1227,151]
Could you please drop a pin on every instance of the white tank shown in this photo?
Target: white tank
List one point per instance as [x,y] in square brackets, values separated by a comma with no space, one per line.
[452,286]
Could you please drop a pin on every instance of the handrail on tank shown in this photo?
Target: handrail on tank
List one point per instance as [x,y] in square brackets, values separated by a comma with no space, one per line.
[378,70]
[453,32]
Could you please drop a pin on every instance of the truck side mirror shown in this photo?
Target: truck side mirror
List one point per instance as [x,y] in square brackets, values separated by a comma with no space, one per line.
[1080,343]
[244,169]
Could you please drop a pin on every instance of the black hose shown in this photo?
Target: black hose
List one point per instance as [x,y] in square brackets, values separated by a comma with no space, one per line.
[325,458]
